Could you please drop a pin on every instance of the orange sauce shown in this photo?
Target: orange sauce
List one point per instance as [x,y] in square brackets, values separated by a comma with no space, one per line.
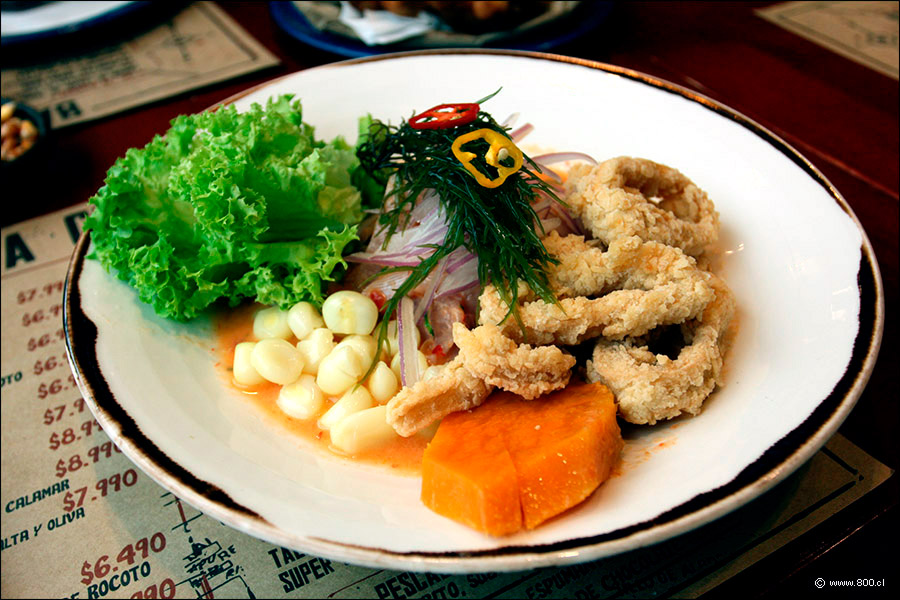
[401,456]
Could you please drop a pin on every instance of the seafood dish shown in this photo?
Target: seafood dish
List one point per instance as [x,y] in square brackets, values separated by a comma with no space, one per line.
[434,290]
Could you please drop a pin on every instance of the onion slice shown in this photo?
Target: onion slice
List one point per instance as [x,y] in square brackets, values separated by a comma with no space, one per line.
[517,134]
[557,157]
[436,276]
[406,336]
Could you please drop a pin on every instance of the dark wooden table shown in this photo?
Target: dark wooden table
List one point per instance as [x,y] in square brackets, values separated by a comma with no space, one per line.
[841,115]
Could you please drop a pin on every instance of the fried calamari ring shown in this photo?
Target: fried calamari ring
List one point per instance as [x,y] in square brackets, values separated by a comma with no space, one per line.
[497,360]
[627,290]
[614,199]
[453,389]
[652,387]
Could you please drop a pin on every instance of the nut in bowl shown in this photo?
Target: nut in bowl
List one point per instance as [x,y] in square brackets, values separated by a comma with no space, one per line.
[24,131]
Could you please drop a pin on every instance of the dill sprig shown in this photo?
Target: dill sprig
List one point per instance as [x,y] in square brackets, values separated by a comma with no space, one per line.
[496,224]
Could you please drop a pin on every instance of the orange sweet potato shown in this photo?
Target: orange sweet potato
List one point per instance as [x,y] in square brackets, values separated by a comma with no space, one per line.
[514,463]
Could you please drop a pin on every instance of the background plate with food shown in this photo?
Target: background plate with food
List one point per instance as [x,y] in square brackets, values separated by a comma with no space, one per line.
[537,26]
[808,326]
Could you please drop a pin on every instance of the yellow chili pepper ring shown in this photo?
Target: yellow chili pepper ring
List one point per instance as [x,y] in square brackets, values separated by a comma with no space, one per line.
[498,142]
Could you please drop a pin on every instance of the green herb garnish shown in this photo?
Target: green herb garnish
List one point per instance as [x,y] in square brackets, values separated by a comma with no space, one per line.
[496,224]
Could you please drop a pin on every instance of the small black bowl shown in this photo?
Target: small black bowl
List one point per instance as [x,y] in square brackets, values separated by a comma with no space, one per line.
[30,161]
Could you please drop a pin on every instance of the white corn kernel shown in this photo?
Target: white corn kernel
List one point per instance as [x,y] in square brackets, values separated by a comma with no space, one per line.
[277,360]
[342,368]
[347,312]
[364,344]
[303,318]
[271,322]
[243,370]
[363,430]
[383,384]
[302,399]
[394,341]
[423,364]
[354,400]
[316,346]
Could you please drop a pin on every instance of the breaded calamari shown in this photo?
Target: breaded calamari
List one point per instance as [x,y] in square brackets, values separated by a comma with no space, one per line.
[627,290]
[652,387]
[453,389]
[499,361]
[615,199]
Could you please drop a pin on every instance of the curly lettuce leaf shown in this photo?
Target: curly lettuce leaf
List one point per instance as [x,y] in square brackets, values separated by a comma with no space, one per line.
[228,206]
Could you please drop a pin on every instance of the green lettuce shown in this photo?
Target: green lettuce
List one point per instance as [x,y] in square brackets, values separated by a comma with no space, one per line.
[228,206]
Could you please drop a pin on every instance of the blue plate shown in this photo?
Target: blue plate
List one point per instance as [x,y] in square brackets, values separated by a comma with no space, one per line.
[583,19]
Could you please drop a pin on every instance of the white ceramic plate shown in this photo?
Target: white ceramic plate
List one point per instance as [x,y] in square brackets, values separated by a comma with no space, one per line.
[804,274]
[56,18]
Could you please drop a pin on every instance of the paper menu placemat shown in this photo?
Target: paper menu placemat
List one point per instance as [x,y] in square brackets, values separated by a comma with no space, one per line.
[201,45]
[863,31]
[80,520]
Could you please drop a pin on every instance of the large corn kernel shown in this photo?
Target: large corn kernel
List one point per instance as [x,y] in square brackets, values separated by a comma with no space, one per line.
[364,344]
[243,370]
[382,383]
[302,399]
[271,322]
[277,360]
[343,367]
[303,318]
[347,312]
[363,430]
[317,345]
[354,400]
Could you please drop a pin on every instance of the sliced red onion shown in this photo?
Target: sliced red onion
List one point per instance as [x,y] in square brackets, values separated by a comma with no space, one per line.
[429,205]
[563,214]
[517,134]
[542,204]
[385,261]
[386,284]
[458,258]
[557,157]
[434,279]
[406,336]
[408,247]
[461,275]
[510,120]
[457,290]
[409,255]
[426,213]
[550,224]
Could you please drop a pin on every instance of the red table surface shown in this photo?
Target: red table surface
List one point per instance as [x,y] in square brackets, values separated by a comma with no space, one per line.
[841,115]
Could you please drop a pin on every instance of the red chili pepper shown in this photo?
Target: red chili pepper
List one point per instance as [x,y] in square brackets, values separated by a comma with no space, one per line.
[444,116]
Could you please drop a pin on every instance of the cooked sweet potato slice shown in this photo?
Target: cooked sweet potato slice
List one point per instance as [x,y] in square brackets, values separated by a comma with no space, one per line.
[468,475]
[513,463]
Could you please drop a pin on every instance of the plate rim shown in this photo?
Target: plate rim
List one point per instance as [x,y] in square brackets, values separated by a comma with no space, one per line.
[111,14]
[780,460]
